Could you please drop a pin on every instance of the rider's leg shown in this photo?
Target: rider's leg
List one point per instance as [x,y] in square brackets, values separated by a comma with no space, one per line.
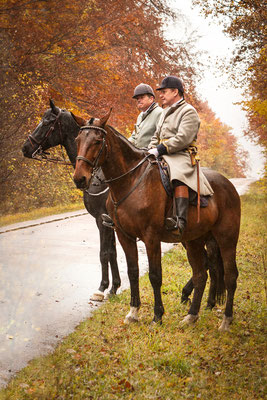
[181,195]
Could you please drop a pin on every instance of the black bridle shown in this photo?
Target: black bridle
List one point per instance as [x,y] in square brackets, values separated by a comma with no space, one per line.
[39,154]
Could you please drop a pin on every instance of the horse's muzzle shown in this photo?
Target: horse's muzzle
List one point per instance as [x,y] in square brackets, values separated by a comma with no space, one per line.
[27,151]
[81,182]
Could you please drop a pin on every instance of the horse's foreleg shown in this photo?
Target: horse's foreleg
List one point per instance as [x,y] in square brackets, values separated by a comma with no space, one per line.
[153,249]
[116,280]
[131,253]
[196,256]
[104,258]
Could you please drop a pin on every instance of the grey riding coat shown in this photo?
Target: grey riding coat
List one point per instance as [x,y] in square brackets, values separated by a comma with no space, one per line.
[177,129]
[145,126]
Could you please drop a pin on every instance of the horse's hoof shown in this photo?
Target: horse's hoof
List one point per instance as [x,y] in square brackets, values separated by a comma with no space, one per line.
[130,320]
[132,316]
[190,319]
[156,322]
[97,296]
[185,300]
[226,322]
[210,306]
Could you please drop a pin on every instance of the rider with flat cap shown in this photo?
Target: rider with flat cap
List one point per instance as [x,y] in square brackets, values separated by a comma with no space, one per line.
[148,118]
[174,139]
[145,125]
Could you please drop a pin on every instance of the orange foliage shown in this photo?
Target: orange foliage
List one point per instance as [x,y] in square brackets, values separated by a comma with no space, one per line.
[87,55]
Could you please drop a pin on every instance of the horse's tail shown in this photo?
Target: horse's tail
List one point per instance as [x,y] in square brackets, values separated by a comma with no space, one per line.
[220,287]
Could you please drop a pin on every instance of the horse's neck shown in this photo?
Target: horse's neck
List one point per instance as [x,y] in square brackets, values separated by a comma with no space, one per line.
[70,132]
[122,156]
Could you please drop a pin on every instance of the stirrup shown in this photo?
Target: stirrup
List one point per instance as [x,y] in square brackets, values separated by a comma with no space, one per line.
[171,223]
[174,223]
[107,221]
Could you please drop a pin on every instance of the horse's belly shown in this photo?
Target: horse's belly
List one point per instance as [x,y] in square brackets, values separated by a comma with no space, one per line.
[208,218]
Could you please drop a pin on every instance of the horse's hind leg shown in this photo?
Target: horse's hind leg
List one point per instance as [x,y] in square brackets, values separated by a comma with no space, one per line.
[228,252]
[187,290]
[196,256]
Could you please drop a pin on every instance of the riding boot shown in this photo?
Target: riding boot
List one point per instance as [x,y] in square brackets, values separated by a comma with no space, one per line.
[107,221]
[179,221]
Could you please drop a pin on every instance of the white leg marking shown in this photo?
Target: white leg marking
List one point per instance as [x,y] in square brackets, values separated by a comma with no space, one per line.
[190,319]
[132,316]
[226,322]
[97,296]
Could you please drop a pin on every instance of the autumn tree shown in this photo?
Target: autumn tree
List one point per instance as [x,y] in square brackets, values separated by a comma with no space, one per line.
[87,55]
[245,22]
[218,147]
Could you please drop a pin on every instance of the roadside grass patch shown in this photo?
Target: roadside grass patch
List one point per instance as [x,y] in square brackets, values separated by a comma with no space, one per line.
[40,212]
[105,359]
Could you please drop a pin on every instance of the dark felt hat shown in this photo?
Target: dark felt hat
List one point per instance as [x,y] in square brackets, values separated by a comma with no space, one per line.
[171,82]
[143,88]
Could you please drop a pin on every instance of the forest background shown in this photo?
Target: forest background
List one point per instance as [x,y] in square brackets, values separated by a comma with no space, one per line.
[89,55]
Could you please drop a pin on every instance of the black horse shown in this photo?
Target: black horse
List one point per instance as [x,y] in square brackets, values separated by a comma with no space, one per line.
[61,127]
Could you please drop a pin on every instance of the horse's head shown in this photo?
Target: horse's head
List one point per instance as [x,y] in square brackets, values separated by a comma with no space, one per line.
[54,128]
[91,150]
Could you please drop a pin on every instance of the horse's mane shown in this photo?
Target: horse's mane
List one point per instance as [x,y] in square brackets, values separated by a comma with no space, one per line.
[125,140]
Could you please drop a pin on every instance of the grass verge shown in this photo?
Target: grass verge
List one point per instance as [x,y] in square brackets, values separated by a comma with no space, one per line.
[39,213]
[105,359]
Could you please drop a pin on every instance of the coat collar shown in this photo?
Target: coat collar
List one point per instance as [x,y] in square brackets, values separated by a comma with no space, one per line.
[174,107]
[148,111]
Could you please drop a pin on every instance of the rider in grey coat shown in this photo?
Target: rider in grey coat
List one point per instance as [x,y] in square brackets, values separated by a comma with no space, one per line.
[145,125]
[176,133]
[148,118]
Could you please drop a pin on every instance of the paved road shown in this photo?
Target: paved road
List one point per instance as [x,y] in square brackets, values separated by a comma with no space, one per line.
[47,273]
[48,270]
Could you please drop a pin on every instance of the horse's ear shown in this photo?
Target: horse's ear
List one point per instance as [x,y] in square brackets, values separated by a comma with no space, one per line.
[53,107]
[80,121]
[104,119]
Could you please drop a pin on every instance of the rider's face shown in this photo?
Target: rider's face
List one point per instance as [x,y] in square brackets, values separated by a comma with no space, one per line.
[169,96]
[144,101]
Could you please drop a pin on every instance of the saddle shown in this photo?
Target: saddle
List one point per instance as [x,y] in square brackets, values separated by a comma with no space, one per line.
[165,179]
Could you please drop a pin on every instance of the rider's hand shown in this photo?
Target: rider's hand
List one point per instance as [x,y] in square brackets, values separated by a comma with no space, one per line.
[154,151]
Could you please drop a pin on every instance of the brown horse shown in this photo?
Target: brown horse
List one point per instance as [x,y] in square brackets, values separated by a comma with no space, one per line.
[138,205]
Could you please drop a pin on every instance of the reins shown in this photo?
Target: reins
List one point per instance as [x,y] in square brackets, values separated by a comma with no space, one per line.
[94,165]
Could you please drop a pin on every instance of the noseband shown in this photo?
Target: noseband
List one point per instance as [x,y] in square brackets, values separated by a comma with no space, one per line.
[94,164]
